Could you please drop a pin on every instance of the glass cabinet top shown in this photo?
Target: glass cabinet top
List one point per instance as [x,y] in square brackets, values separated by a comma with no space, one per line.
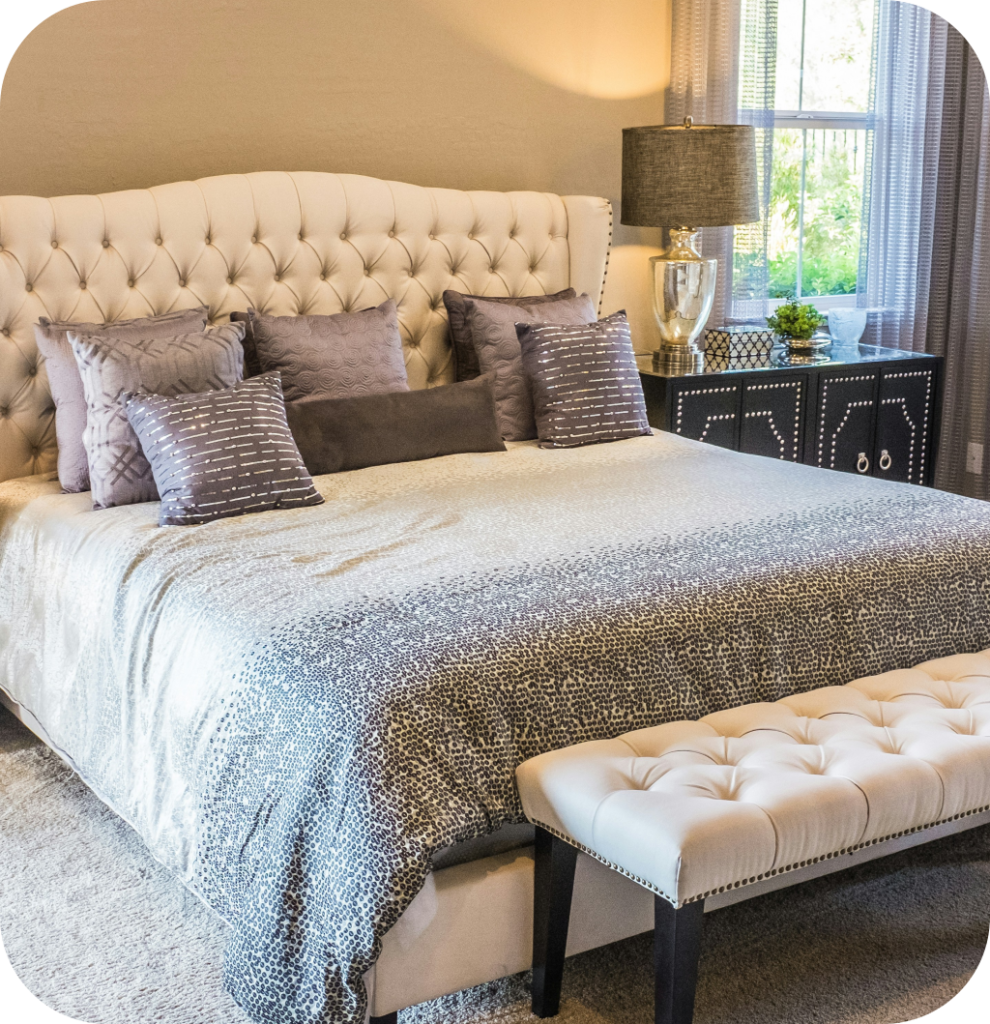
[780,359]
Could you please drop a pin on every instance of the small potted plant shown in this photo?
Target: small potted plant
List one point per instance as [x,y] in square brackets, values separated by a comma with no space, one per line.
[795,323]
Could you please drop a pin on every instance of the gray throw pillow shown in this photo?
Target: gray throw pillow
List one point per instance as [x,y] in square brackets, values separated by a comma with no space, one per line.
[66,384]
[586,386]
[493,331]
[221,453]
[109,365]
[465,358]
[337,434]
[332,356]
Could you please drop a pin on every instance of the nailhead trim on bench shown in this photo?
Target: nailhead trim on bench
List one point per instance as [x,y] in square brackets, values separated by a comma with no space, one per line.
[767,874]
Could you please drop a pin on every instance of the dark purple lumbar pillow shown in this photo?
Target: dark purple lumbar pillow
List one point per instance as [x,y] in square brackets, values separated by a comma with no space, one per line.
[465,358]
[337,434]
[221,453]
[586,386]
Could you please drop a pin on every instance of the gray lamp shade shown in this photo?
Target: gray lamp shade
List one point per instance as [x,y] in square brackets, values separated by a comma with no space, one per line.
[702,176]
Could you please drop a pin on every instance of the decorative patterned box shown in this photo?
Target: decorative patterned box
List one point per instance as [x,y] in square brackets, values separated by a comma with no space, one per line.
[733,342]
[738,348]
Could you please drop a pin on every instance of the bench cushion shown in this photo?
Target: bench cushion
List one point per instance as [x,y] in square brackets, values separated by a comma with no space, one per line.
[689,809]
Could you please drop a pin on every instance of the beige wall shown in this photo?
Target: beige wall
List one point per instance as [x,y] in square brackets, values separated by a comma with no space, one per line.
[490,94]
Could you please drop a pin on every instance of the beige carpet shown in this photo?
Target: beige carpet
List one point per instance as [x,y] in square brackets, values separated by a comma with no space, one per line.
[104,934]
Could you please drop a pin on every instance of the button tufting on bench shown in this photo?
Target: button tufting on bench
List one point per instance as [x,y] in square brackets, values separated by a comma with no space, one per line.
[658,806]
[799,779]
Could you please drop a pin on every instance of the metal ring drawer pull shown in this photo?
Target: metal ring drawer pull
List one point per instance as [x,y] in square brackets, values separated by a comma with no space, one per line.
[885,460]
[862,463]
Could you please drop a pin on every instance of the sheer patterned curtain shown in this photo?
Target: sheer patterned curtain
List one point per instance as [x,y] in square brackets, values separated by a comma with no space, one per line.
[925,258]
[706,84]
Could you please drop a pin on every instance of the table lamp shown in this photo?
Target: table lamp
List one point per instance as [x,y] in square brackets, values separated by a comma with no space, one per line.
[685,177]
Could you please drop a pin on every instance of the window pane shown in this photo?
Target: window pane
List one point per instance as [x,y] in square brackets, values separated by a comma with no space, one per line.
[789,14]
[838,44]
[838,38]
[832,211]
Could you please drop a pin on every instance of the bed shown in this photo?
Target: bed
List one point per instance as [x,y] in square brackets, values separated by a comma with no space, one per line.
[313,716]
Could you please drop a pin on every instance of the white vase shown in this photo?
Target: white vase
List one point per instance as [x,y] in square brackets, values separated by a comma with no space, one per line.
[847,324]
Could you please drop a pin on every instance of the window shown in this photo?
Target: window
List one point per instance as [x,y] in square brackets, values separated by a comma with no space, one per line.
[821,121]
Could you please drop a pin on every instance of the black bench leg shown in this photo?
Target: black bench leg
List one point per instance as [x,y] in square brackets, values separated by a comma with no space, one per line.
[676,949]
[389,1018]
[553,885]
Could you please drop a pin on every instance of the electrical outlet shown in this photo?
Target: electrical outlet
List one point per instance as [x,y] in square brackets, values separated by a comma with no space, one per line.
[974,458]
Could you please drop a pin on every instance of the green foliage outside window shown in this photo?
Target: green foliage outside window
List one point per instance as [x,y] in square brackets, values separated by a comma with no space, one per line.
[832,215]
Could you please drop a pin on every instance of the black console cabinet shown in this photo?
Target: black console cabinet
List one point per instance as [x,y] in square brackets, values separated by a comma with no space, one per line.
[866,410]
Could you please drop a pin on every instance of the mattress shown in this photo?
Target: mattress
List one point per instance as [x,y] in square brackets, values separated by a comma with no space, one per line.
[298,709]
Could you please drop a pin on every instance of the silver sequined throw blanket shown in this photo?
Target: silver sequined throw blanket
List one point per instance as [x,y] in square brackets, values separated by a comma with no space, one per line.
[296,708]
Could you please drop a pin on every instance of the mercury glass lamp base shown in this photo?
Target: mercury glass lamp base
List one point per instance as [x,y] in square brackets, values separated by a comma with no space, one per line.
[683,291]
[675,360]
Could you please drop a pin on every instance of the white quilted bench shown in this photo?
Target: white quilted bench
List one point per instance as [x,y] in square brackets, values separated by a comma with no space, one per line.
[742,802]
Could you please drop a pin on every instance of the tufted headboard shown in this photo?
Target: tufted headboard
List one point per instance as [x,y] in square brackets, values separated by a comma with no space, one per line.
[284,243]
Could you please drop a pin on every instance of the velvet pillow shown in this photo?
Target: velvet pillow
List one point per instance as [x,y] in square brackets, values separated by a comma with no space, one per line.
[336,434]
[586,386]
[465,358]
[221,453]
[66,384]
[332,356]
[109,365]
[493,331]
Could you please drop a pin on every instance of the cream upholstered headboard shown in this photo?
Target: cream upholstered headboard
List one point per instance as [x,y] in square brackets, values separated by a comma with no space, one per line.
[284,243]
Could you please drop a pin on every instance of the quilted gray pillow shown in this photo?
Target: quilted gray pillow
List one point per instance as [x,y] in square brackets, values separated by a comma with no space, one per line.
[66,384]
[586,386]
[221,453]
[465,358]
[332,356]
[109,365]
[493,331]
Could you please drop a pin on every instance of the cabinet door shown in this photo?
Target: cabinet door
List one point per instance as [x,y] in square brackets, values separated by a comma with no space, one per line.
[772,414]
[904,424]
[707,412]
[844,424]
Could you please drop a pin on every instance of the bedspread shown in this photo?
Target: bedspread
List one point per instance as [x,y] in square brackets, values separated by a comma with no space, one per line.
[296,708]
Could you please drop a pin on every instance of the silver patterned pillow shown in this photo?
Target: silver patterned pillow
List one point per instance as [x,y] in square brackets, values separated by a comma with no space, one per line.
[52,337]
[335,356]
[493,332]
[221,453]
[586,386]
[119,473]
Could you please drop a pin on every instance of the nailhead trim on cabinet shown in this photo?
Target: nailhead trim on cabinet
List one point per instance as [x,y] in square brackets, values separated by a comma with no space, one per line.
[849,407]
[714,419]
[766,412]
[781,440]
[681,395]
[924,425]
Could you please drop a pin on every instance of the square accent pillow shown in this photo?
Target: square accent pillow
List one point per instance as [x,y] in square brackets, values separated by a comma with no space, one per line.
[586,386]
[465,358]
[493,331]
[119,474]
[221,453]
[52,337]
[332,356]
[337,434]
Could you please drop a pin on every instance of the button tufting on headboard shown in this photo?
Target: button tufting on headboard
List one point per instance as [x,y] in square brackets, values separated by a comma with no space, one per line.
[291,241]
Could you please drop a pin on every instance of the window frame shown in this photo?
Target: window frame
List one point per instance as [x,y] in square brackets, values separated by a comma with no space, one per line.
[805,121]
